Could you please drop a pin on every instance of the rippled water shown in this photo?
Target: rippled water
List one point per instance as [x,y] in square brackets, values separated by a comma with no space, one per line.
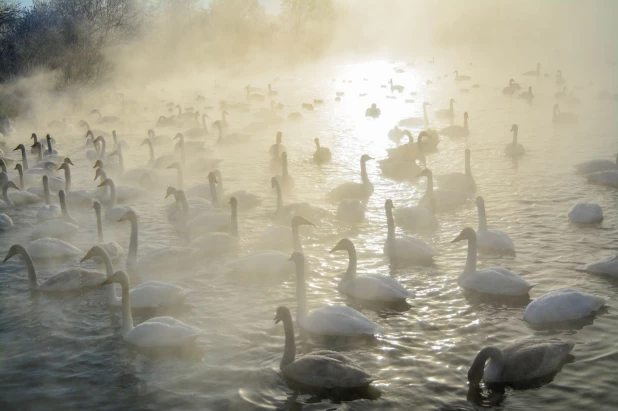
[67,351]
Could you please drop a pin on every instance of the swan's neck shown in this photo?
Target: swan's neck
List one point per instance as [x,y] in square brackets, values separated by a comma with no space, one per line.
[279,196]
[99,226]
[284,170]
[112,298]
[296,239]
[451,107]
[289,353]
[49,146]
[65,211]
[24,159]
[120,161]
[67,179]
[352,261]
[390,223]
[5,195]
[493,354]
[468,170]
[182,152]
[30,266]
[235,221]
[127,317]
[204,125]
[181,178]
[364,176]
[301,291]
[514,137]
[466,123]
[213,194]
[132,256]
[220,138]
[471,259]
[21,178]
[39,152]
[482,217]
[151,150]
[112,194]
[429,189]
[46,191]
[102,151]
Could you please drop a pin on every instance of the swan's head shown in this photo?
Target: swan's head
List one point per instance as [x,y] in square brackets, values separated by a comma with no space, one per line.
[365,158]
[48,137]
[179,136]
[217,124]
[279,136]
[33,136]
[233,202]
[282,314]
[98,163]
[422,134]
[18,167]
[511,81]
[170,191]
[151,132]
[343,244]
[425,173]
[89,134]
[316,141]
[13,251]
[97,206]
[388,205]
[128,216]
[298,220]
[452,100]
[67,160]
[175,165]
[467,233]
[514,127]
[456,73]
[146,141]
[19,147]
[466,115]
[37,145]
[93,252]
[479,201]
[274,182]
[297,257]
[99,173]
[212,177]
[64,166]
[119,277]
[98,139]
[426,104]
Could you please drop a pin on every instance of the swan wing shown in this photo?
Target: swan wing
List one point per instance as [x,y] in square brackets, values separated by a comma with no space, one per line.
[326,370]
[494,240]
[375,287]
[496,280]
[263,264]
[50,247]
[562,305]
[608,265]
[161,332]
[156,294]
[72,279]
[339,320]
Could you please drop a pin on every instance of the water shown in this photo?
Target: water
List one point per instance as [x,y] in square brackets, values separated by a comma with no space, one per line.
[67,352]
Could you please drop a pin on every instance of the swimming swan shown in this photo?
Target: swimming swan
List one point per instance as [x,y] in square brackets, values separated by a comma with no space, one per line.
[416,121]
[158,332]
[607,178]
[113,249]
[369,287]
[283,238]
[595,165]
[48,211]
[114,212]
[404,249]
[491,240]
[607,266]
[321,369]
[50,248]
[514,149]
[523,360]
[70,279]
[447,113]
[216,244]
[460,181]
[322,154]
[585,213]
[494,280]
[355,191]
[457,131]
[562,305]
[560,117]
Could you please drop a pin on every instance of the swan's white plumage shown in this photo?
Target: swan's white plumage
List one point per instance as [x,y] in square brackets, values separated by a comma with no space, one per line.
[607,266]
[262,264]
[605,178]
[50,247]
[585,213]
[562,305]
[338,321]
[54,228]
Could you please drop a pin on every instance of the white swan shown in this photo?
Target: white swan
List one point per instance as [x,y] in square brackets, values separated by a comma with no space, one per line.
[26,180]
[215,220]
[198,131]
[585,213]
[494,280]
[562,305]
[459,181]
[246,200]
[514,149]
[145,296]
[78,198]
[596,165]
[319,369]
[355,191]
[159,162]
[416,121]
[459,77]
[536,72]
[491,240]
[6,223]
[154,261]
[277,149]
[417,218]
[607,266]
[351,212]
[284,213]
[404,249]
[410,151]
[447,113]
[123,193]
[285,180]
[560,117]
[370,287]
[48,211]
[50,248]
[526,95]
[322,154]
[113,249]
[18,198]
[158,332]
[329,320]
[70,279]
[261,266]
[114,212]
[457,131]
[216,244]
[182,208]
[526,359]
[445,200]
[511,89]
[5,184]
[283,238]
[607,178]
[119,143]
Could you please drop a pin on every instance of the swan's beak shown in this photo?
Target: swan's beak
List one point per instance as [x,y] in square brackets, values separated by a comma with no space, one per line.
[108,281]
[102,184]
[458,238]
[277,319]
[86,257]
[16,148]
[68,160]
[335,248]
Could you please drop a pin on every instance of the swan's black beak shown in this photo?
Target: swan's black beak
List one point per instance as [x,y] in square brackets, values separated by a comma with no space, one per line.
[458,238]
[277,319]
[108,281]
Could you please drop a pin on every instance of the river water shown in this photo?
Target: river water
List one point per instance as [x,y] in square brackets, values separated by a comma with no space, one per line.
[67,351]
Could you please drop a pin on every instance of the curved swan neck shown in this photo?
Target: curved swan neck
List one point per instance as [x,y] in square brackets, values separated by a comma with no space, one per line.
[478,365]
[471,259]
[102,151]
[301,290]
[151,150]
[112,298]
[24,159]
[390,224]
[100,236]
[289,353]
[213,193]
[46,192]
[132,256]
[352,262]
[5,195]
[67,178]
[20,171]
[127,317]
[296,238]
[112,194]
[50,150]
[515,137]
[29,265]
[482,216]
[364,176]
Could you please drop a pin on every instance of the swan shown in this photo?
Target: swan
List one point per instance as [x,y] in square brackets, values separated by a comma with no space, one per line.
[494,280]
[559,79]
[135,174]
[511,89]
[113,249]
[198,131]
[157,139]
[104,119]
[395,133]
[491,240]
[149,295]
[525,359]
[215,220]
[441,199]
[277,149]
[536,72]
[123,193]
[417,218]
[48,211]
[460,181]
[184,206]
[415,121]
[18,198]
[410,151]
[447,113]
[329,320]
[93,154]
[278,237]
[159,162]
[51,153]
[246,200]
[285,180]
[585,213]
[45,166]
[461,77]
[595,165]
[395,87]
[79,198]
[211,244]
[284,213]
[322,154]
[230,138]
[157,332]
[404,249]
[119,143]
[607,266]
[514,149]
[355,191]
[562,305]
[370,287]
[55,183]
[373,111]
[50,248]
[253,96]
[457,131]
[272,92]
[114,212]
[57,228]
[70,279]
[351,212]
[560,95]
[607,178]
[261,266]
[319,369]
[66,216]
[560,117]
[526,95]
[154,261]
[5,222]
[193,147]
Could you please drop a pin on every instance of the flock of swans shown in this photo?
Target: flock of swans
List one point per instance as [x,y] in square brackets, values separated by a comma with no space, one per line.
[207,216]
